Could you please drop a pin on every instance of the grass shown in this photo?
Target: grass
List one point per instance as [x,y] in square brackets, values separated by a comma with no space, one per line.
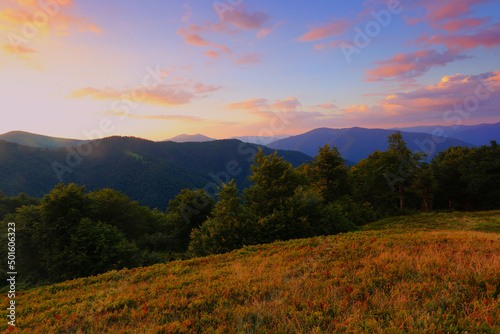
[431,273]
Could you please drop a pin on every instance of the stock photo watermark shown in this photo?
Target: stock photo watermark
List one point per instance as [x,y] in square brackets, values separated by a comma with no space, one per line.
[124,106]
[222,7]
[372,29]
[456,115]
[233,167]
[11,273]
[40,19]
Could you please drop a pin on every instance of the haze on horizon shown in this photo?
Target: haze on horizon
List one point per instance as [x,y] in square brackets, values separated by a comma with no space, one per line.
[157,69]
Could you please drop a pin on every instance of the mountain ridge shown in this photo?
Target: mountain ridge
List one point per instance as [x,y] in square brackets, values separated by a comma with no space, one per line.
[357,143]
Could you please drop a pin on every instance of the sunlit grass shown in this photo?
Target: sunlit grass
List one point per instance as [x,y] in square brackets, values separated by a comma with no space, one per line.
[430,273]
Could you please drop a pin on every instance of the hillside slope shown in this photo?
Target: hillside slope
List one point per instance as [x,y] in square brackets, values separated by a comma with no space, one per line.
[355,144]
[478,135]
[151,173]
[390,280]
[40,141]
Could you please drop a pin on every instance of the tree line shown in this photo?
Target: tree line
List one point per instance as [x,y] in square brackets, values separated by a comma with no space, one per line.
[71,233]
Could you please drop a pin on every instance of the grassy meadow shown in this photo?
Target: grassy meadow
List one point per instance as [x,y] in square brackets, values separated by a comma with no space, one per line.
[429,273]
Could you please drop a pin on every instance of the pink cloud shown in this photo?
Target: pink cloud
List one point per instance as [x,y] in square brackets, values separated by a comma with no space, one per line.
[252,104]
[455,99]
[19,49]
[437,12]
[326,30]
[202,88]
[453,26]
[249,58]
[327,106]
[361,109]
[246,20]
[267,30]
[408,66]
[486,37]
[290,103]
[60,24]
[451,90]
[165,95]
[192,39]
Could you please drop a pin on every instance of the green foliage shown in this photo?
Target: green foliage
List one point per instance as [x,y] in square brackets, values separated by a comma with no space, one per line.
[383,179]
[424,274]
[10,205]
[329,174]
[468,178]
[187,211]
[226,229]
[72,234]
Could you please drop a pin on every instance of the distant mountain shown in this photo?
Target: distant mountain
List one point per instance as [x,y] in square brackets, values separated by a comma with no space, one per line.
[260,140]
[197,138]
[478,135]
[356,144]
[149,172]
[40,141]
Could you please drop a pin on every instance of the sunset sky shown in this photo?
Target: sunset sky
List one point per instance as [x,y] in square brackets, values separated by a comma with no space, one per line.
[158,68]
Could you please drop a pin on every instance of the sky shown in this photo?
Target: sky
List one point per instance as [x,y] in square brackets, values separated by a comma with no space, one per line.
[156,69]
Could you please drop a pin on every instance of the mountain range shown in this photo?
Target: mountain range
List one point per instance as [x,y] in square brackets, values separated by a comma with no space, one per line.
[478,135]
[150,172]
[40,141]
[355,144]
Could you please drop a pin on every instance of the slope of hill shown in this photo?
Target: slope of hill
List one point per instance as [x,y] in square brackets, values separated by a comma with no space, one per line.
[198,138]
[478,135]
[260,140]
[356,144]
[390,281]
[40,141]
[151,173]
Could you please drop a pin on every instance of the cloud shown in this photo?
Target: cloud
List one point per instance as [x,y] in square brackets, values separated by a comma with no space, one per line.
[325,30]
[290,103]
[249,58]
[487,37]
[453,100]
[355,109]
[326,106]
[469,24]
[252,104]
[202,88]
[192,37]
[267,30]
[19,49]
[408,66]
[164,95]
[57,23]
[437,12]
[242,18]
[188,14]
[184,118]
[451,90]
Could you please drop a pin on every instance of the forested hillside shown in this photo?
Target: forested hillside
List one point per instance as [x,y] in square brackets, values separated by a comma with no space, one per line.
[75,232]
[149,172]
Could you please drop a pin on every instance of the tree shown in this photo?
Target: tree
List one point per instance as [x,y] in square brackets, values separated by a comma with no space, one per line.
[451,186]
[268,200]
[385,176]
[226,229]
[329,174]
[425,185]
[187,211]
[480,173]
